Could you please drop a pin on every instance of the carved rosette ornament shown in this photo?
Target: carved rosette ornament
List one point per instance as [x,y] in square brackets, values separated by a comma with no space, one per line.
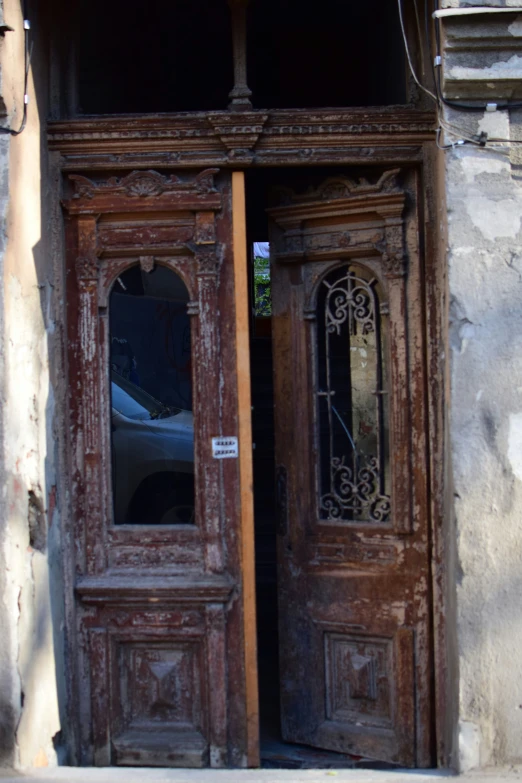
[393,265]
[87,269]
[209,264]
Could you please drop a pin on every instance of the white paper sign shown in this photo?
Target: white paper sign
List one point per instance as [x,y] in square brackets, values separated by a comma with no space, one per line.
[225,447]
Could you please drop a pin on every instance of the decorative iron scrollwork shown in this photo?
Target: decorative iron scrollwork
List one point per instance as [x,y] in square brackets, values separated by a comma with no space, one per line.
[356,493]
[352,401]
[349,297]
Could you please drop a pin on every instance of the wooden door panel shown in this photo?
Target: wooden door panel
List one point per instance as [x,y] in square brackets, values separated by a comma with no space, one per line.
[353,547]
[156,622]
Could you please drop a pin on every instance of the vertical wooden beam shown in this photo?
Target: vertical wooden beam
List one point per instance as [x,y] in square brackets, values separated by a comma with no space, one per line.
[240,93]
[245,464]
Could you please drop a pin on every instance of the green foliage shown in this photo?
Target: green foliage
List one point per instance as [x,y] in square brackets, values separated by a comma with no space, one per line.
[262,286]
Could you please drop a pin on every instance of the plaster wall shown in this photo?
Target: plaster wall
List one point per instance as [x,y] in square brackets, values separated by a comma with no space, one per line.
[484,229]
[30,563]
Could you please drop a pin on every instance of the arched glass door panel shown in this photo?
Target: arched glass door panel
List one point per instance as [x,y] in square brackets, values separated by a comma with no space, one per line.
[354,467]
[152,425]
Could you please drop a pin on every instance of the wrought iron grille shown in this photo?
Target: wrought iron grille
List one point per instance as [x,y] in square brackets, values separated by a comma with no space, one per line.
[352,399]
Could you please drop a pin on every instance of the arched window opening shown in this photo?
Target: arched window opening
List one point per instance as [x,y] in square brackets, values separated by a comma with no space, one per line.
[352,398]
[152,425]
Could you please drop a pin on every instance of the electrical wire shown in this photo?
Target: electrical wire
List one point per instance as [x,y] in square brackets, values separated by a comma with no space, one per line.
[481,140]
[28,53]
[408,56]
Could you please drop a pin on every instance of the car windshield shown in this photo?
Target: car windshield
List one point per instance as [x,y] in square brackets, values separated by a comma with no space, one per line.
[136,403]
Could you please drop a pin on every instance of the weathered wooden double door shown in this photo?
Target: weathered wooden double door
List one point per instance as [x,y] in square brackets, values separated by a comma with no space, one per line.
[160,456]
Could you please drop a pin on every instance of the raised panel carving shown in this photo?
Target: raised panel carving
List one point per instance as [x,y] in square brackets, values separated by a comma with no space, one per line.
[119,235]
[158,703]
[358,679]
[160,683]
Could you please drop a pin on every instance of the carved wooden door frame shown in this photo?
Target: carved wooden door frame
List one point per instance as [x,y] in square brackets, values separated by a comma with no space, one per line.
[344,137]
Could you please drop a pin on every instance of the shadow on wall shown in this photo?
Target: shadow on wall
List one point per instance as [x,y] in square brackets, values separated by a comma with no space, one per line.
[33,636]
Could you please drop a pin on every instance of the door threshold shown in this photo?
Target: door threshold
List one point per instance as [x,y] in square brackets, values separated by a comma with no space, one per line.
[277,754]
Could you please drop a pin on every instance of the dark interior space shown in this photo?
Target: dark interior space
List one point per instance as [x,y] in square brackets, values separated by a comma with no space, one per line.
[334,53]
[160,57]
[264,472]
[178,55]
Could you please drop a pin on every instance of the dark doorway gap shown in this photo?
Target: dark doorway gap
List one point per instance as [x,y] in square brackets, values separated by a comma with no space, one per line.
[261,193]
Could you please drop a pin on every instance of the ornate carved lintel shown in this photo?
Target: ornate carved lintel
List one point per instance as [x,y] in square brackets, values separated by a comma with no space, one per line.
[343,218]
[335,188]
[143,184]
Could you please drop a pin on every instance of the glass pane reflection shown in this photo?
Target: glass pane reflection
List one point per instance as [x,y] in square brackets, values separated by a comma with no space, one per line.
[152,427]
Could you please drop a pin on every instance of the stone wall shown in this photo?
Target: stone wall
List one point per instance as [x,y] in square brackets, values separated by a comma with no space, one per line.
[483,64]
[31,638]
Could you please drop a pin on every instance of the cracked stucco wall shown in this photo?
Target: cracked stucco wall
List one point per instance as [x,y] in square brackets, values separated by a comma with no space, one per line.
[30,610]
[484,213]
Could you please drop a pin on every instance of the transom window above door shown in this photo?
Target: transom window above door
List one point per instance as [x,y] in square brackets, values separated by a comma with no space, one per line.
[204,55]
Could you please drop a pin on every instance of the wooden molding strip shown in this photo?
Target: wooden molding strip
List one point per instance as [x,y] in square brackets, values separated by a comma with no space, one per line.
[245,464]
[112,589]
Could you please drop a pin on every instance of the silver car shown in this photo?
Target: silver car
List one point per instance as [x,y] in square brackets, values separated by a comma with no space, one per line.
[152,458]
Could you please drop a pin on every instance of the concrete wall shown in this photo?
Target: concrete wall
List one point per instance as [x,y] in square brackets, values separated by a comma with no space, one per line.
[30,564]
[484,215]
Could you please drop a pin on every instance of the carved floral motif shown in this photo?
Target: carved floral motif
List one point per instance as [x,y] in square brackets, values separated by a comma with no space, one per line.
[143,184]
[343,187]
